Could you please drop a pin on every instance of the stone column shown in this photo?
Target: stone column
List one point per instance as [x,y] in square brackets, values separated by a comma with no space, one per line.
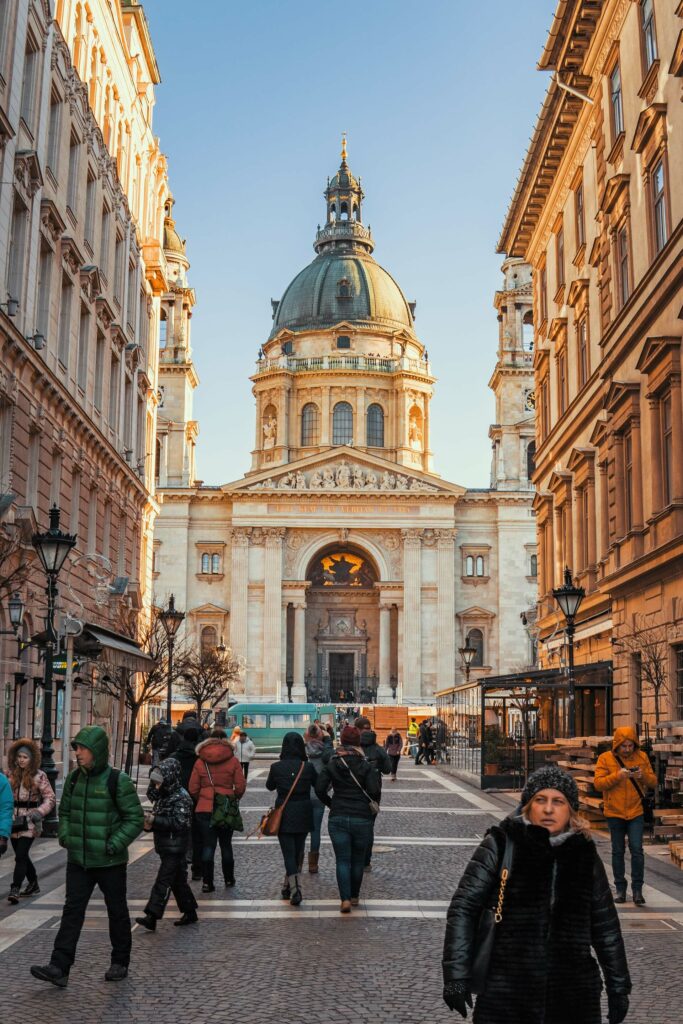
[384,692]
[272,614]
[299,689]
[283,660]
[618,449]
[359,434]
[412,621]
[636,476]
[446,605]
[325,417]
[592,538]
[239,593]
[604,511]
[568,521]
[677,437]
[400,668]
[580,527]
[558,538]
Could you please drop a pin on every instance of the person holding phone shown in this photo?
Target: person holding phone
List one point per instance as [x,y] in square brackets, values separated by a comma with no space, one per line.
[623,775]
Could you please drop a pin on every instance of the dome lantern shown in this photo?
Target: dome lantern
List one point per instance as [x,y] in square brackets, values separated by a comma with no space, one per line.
[344,197]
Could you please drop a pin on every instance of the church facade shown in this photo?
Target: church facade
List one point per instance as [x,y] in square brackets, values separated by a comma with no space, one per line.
[341,563]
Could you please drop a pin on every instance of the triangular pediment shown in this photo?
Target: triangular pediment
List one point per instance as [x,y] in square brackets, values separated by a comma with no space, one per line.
[344,469]
[209,609]
[475,612]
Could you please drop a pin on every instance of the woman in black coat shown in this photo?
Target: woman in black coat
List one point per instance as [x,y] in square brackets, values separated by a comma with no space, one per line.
[557,904]
[297,818]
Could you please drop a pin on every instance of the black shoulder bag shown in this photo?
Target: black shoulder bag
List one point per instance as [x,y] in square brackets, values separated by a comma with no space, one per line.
[489,920]
[647,801]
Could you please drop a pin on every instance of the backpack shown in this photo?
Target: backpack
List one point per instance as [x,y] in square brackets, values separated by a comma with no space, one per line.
[112,783]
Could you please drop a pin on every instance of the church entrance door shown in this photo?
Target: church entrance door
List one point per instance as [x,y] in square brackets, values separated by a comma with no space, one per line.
[341,673]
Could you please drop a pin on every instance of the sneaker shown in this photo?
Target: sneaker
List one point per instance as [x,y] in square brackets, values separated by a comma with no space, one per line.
[13,895]
[117,972]
[32,889]
[51,973]
[189,917]
[208,887]
[229,882]
[148,922]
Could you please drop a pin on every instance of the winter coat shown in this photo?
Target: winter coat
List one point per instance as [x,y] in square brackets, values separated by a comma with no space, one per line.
[173,810]
[244,751]
[393,744]
[298,814]
[347,799]
[6,807]
[95,831]
[159,736]
[557,905]
[619,795]
[39,798]
[187,731]
[185,755]
[376,755]
[226,773]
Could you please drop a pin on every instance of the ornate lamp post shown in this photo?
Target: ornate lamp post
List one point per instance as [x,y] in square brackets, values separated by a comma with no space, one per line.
[15,607]
[52,548]
[569,598]
[170,620]
[467,653]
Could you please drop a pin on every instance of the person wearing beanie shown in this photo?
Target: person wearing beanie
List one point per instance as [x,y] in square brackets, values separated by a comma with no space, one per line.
[34,799]
[355,787]
[556,910]
[292,777]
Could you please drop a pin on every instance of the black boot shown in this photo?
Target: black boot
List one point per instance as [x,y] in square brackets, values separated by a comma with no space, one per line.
[189,917]
[621,895]
[286,889]
[297,896]
[148,922]
[638,897]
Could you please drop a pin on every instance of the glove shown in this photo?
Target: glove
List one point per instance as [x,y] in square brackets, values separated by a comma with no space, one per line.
[617,1004]
[457,996]
[35,816]
[3,845]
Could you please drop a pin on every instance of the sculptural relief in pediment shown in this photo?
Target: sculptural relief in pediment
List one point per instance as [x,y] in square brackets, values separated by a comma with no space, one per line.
[343,476]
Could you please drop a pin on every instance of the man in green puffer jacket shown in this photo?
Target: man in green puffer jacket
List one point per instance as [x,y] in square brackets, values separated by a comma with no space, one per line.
[99,817]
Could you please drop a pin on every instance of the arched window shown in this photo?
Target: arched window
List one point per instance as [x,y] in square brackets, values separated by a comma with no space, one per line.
[342,424]
[530,459]
[206,562]
[469,566]
[343,289]
[157,460]
[310,425]
[475,638]
[533,565]
[215,563]
[375,427]
[480,565]
[163,329]
[344,212]
[209,639]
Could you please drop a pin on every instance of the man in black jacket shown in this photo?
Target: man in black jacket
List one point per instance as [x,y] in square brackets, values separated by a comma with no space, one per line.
[379,759]
[186,755]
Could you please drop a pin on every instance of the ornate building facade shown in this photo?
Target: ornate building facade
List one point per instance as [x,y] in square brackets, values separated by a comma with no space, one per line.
[83,187]
[598,213]
[341,562]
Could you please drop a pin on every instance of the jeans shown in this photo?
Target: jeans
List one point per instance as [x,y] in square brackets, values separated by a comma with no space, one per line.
[394,758]
[245,768]
[350,839]
[292,845]
[318,815]
[211,837]
[80,883]
[619,830]
[23,865]
[171,878]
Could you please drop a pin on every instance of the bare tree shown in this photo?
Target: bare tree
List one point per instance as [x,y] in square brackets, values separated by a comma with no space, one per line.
[14,569]
[647,641]
[208,675]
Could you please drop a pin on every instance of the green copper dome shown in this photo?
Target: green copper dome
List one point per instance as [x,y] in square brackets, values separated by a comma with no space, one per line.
[343,282]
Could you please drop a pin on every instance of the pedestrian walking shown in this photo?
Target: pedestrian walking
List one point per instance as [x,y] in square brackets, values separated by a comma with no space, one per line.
[100,815]
[6,812]
[159,738]
[316,751]
[170,821]
[555,905]
[412,738]
[623,775]
[245,751]
[189,723]
[394,745]
[216,770]
[355,789]
[425,741]
[292,778]
[34,799]
[186,755]
[379,759]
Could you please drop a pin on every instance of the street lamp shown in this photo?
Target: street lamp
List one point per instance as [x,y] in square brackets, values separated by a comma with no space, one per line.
[170,620]
[467,653]
[569,598]
[16,615]
[52,548]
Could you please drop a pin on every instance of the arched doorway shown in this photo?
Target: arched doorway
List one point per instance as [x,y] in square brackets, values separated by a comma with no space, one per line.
[342,625]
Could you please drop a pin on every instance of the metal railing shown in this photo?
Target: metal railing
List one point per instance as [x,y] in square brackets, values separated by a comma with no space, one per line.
[372,364]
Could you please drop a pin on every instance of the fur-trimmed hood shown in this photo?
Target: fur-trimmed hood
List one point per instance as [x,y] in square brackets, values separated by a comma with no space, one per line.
[214,750]
[13,750]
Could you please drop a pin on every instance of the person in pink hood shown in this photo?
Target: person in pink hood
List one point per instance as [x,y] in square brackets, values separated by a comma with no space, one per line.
[33,801]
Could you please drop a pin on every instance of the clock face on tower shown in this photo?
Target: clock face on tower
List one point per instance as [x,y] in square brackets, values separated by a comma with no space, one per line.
[529,401]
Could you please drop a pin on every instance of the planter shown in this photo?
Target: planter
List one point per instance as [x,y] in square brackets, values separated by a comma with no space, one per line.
[491,769]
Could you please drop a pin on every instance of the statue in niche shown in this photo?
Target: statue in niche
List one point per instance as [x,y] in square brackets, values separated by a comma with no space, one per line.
[316,480]
[344,476]
[415,433]
[300,481]
[358,478]
[329,483]
[269,432]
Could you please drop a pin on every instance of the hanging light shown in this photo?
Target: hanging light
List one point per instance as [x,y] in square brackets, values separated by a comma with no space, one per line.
[569,596]
[16,611]
[171,618]
[54,545]
[467,653]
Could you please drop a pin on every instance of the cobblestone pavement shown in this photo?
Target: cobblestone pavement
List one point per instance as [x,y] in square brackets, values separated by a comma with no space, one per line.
[256,960]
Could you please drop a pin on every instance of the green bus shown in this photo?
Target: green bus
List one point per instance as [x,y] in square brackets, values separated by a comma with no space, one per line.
[266,724]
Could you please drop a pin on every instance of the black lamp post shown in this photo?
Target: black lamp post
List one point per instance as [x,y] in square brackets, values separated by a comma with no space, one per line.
[170,620]
[569,598]
[52,548]
[16,615]
[467,653]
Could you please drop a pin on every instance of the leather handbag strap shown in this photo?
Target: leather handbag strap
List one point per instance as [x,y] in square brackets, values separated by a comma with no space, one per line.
[208,772]
[291,788]
[366,795]
[505,868]
[630,778]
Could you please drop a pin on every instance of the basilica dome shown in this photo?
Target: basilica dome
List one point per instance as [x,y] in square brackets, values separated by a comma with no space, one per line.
[343,282]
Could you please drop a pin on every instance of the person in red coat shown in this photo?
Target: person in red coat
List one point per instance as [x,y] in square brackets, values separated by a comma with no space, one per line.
[216,770]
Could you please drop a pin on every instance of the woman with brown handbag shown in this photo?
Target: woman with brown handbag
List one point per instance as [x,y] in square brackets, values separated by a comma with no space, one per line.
[292,777]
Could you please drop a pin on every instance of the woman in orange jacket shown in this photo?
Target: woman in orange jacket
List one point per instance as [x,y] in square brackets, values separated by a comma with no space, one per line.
[622,774]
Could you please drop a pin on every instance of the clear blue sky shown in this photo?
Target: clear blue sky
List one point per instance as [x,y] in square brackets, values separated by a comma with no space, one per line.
[438,99]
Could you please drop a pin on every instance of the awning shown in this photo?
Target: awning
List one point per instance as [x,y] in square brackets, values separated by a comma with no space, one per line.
[117,650]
